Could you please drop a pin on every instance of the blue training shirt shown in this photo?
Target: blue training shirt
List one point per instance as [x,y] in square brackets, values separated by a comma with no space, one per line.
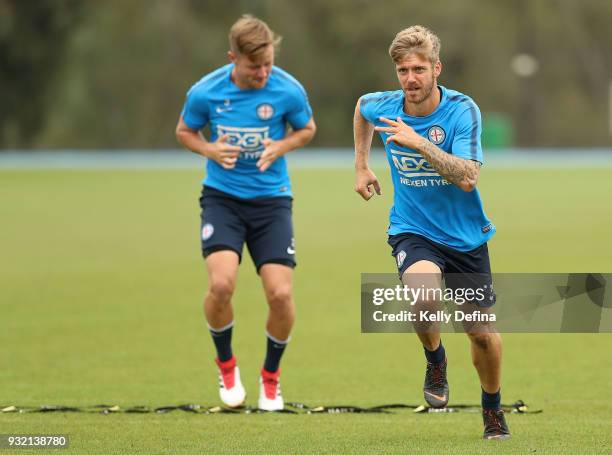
[425,203]
[247,116]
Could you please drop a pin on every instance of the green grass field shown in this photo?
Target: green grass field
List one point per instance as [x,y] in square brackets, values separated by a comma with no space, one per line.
[101,283]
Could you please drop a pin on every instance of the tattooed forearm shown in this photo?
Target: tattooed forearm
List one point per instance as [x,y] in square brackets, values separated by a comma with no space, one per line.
[461,172]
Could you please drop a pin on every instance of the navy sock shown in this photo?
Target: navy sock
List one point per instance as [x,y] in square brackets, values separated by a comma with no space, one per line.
[491,400]
[274,352]
[223,341]
[436,356]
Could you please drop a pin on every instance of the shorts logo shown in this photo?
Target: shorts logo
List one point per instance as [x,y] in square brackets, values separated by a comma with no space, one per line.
[487,228]
[207,231]
[436,135]
[265,111]
[401,257]
[291,248]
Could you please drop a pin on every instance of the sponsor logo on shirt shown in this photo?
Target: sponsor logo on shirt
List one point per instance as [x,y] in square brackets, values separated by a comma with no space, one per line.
[415,171]
[225,108]
[412,164]
[250,140]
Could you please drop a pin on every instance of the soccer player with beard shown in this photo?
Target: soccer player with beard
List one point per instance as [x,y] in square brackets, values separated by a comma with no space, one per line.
[246,197]
[437,224]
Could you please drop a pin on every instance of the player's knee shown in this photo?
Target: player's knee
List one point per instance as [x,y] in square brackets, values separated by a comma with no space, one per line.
[280,298]
[221,289]
[427,304]
[481,340]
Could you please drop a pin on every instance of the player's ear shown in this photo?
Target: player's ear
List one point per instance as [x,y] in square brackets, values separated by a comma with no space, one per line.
[437,68]
[231,56]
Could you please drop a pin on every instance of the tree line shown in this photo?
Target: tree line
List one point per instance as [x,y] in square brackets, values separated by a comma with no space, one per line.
[114,74]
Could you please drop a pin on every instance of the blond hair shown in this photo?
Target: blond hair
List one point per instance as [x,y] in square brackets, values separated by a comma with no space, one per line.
[416,39]
[250,36]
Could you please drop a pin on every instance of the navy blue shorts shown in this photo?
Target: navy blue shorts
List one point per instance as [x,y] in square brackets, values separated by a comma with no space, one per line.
[265,224]
[467,270]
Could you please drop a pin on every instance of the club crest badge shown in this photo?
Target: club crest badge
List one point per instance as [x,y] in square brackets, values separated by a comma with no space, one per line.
[207,231]
[265,111]
[436,134]
[401,257]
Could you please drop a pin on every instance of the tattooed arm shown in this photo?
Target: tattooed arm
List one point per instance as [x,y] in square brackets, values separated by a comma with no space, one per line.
[458,171]
[463,173]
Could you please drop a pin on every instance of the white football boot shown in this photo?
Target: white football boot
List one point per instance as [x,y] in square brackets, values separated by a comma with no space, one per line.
[270,398]
[231,390]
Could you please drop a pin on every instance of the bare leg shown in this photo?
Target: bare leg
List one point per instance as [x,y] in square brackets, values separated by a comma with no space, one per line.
[486,357]
[277,281]
[278,286]
[428,275]
[222,272]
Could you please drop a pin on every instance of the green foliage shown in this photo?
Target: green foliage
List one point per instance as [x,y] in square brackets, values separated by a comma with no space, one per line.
[32,44]
[130,62]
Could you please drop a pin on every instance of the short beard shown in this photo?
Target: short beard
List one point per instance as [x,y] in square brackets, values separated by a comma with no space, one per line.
[427,93]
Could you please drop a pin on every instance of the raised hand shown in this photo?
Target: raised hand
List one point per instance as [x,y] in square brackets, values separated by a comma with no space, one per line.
[400,133]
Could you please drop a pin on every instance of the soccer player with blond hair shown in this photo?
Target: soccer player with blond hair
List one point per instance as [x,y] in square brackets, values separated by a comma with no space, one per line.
[438,228]
[246,196]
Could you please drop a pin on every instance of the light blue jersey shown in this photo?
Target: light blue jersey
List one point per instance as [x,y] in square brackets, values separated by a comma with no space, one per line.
[425,203]
[247,117]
